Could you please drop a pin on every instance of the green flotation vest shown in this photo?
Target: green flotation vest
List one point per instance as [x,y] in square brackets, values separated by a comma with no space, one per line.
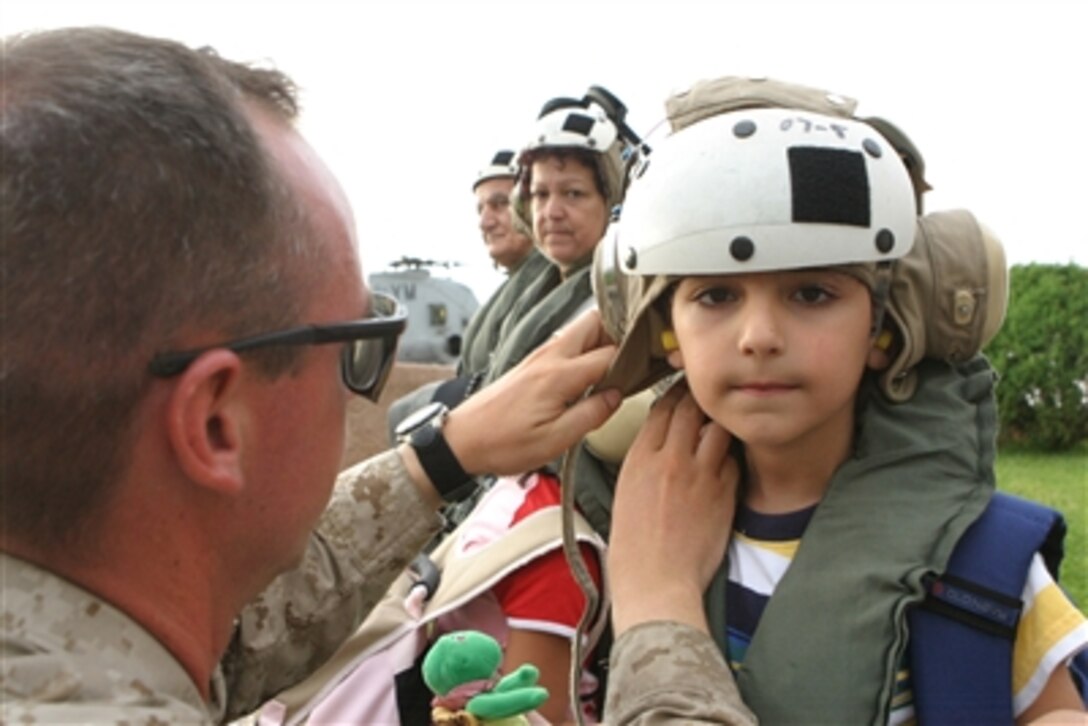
[534,326]
[830,640]
[482,334]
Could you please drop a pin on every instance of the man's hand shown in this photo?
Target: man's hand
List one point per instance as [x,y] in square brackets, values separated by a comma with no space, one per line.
[536,411]
[672,515]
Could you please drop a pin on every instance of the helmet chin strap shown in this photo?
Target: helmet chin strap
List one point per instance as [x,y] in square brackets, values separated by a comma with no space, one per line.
[881,285]
[595,600]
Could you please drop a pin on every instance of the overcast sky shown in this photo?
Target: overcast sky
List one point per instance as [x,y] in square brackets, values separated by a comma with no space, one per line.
[406,99]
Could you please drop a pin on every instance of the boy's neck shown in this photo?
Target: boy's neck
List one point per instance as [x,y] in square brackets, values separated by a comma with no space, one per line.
[780,481]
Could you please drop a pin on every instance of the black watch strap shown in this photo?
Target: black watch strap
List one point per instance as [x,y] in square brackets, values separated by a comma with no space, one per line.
[440,463]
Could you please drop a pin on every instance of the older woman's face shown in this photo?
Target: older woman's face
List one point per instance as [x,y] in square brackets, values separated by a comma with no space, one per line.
[569,213]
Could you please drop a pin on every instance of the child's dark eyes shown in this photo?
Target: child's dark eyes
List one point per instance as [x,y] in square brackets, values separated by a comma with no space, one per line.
[813,294]
[806,294]
[713,296]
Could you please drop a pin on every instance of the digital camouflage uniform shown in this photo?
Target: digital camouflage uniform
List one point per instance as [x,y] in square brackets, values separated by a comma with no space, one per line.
[67,656]
[669,673]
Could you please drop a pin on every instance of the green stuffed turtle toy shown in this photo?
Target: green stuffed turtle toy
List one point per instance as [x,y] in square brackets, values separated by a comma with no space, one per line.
[462,669]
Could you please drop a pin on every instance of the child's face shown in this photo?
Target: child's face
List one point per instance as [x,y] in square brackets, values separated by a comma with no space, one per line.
[775,358]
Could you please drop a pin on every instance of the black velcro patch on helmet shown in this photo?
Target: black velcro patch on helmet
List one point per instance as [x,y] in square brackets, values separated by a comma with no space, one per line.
[503,158]
[579,124]
[829,186]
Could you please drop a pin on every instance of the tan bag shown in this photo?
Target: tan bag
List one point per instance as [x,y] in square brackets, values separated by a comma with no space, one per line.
[357,684]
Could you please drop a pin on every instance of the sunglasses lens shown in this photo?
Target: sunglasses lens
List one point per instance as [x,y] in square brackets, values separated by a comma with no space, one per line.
[367,363]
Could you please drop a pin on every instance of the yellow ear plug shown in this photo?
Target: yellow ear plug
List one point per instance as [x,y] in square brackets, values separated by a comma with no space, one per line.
[668,341]
[884,340]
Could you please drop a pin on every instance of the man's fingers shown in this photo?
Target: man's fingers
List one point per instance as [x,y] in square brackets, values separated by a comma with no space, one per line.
[713,447]
[687,420]
[587,414]
[655,430]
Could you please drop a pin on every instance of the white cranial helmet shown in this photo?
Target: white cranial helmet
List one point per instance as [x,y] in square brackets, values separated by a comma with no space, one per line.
[576,123]
[595,123]
[748,190]
[767,189]
[503,165]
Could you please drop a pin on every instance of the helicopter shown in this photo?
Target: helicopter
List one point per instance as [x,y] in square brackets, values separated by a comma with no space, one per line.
[439,309]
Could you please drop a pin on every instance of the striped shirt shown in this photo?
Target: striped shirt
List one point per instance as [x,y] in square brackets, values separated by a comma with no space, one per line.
[1050,632]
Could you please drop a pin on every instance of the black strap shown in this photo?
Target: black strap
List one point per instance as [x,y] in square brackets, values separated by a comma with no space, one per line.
[440,464]
[972,604]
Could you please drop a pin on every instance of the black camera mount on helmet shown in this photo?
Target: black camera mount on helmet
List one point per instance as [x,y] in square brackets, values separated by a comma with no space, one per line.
[617,112]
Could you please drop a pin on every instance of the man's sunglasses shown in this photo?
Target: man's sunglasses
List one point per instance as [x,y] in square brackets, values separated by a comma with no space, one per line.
[364,365]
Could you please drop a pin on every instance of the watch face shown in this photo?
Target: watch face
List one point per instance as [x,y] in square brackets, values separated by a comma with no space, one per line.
[423,436]
[415,420]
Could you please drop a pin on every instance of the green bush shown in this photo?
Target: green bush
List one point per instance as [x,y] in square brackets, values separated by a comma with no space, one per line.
[1059,481]
[1041,354]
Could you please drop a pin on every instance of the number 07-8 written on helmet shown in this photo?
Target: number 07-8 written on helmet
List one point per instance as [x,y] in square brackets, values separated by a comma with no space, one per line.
[767,189]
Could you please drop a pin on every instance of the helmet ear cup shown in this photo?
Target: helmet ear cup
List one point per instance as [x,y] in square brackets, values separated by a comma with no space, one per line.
[611,287]
[631,319]
[947,297]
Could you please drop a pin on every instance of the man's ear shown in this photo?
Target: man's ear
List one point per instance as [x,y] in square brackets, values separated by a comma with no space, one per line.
[205,418]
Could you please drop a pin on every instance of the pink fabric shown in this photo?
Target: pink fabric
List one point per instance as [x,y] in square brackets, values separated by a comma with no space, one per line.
[492,516]
[459,696]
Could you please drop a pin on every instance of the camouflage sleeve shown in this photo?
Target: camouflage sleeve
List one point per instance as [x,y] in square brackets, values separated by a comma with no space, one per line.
[670,673]
[376,522]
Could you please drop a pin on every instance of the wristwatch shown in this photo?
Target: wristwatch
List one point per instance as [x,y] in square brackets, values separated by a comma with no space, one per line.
[422,431]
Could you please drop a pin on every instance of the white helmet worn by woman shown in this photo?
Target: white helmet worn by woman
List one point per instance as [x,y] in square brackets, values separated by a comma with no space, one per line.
[597,124]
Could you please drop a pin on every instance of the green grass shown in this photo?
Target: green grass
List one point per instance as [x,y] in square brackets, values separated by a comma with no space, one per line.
[1059,481]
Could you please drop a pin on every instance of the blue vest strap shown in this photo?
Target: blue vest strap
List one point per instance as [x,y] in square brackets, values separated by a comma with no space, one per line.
[961,637]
